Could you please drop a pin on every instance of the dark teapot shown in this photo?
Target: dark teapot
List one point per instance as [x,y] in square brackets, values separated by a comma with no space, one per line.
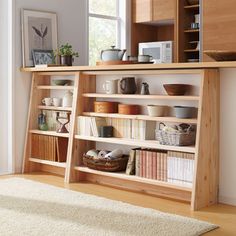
[128,85]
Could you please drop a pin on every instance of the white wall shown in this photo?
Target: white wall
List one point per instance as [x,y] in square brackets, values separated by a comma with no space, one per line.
[4,86]
[71,28]
[227,136]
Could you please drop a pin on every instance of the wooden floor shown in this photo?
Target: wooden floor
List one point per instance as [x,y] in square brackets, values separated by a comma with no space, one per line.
[222,215]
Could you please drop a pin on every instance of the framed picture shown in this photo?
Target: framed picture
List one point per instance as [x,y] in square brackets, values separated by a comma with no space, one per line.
[42,57]
[39,32]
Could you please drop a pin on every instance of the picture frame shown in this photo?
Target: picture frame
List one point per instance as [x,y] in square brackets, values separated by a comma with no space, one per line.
[42,57]
[39,32]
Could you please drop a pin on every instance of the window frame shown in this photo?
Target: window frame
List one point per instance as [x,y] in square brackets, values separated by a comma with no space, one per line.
[122,21]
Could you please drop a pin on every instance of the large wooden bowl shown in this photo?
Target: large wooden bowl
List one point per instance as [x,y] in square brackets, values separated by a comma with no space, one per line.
[176,89]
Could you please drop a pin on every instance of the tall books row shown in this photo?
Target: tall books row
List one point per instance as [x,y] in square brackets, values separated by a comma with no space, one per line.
[172,167]
[49,148]
[122,128]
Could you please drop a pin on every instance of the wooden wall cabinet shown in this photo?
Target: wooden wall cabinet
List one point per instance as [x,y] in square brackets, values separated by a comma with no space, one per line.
[219,31]
[163,10]
[154,10]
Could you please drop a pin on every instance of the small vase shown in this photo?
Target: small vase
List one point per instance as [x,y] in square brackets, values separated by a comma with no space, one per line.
[66,60]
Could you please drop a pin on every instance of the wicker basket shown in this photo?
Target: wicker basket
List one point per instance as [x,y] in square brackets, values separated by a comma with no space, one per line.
[176,138]
[118,164]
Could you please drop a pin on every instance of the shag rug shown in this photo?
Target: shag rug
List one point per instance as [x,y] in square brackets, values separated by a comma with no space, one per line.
[32,208]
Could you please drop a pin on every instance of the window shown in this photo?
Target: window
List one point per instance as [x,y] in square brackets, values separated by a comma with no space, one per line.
[105,26]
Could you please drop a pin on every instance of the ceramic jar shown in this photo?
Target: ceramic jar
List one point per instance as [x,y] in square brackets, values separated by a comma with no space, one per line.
[67,99]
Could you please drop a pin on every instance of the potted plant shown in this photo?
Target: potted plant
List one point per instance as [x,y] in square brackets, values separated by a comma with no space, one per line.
[66,54]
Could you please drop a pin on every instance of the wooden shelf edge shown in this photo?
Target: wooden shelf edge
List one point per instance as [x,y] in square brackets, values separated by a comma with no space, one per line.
[46,162]
[54,87]
[192,31]
[140,117]
[42,107]
[195,6]
[133,178]
[138,143]
[191,50]
[137,96]
[50,133]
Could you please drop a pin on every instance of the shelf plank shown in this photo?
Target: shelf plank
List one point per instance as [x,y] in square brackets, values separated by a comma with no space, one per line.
[191,50]
[122,175]
[50,133]
[42,107]
[141,117]
[192,31]
[50,163]
[138,143]
[196,6]
[137,96]
[55,87]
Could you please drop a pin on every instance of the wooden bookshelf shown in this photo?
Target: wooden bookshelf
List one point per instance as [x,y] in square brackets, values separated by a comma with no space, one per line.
[85,83]
[187,35]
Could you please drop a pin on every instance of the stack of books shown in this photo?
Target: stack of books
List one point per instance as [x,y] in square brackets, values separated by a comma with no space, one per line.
[173,167]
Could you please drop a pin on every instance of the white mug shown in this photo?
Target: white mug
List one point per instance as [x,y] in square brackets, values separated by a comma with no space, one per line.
[111,86]
[56,102]
[144,58]
[47,101]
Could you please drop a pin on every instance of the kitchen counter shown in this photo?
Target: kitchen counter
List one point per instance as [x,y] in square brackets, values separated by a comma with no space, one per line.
[201,65]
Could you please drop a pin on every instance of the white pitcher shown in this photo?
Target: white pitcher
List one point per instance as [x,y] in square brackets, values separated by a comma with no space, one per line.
[67,99]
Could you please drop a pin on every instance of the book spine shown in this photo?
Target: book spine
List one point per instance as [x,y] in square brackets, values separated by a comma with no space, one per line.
[137,163]
[154,165]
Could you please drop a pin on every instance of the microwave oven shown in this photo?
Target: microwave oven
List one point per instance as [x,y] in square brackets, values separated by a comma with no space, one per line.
[161,52]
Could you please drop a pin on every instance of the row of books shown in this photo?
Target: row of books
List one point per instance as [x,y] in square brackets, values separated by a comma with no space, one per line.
[171,166]
[133,129]
[151,164]
[90,126]
[49,148]
[122,128]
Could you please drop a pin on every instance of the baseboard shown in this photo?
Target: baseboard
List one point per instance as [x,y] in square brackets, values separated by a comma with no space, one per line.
[227,200]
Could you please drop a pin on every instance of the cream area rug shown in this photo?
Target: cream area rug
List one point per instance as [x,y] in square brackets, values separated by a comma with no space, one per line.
[32,208]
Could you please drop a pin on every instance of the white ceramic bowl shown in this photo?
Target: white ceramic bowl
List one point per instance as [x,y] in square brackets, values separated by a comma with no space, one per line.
[156,110]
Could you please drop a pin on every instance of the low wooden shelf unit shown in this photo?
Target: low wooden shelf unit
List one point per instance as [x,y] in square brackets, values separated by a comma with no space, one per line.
[204,190]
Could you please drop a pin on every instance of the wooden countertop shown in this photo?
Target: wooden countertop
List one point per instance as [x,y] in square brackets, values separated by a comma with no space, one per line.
[201,65]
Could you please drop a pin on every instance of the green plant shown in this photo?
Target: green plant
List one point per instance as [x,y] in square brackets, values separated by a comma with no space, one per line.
[65,50]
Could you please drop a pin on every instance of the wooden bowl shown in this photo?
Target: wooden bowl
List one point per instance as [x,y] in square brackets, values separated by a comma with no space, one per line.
[126,109]
[105,107]
[176,89]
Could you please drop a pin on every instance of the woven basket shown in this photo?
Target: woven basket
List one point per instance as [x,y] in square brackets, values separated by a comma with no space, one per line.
[176,139]
[118,164]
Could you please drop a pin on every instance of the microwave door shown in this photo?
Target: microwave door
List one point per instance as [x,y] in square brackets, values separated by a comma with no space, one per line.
[155,52]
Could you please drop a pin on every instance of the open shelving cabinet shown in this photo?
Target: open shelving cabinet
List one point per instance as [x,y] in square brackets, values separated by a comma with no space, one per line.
[204,191]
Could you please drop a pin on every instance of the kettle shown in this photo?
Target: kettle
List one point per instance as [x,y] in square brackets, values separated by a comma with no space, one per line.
[112,54]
